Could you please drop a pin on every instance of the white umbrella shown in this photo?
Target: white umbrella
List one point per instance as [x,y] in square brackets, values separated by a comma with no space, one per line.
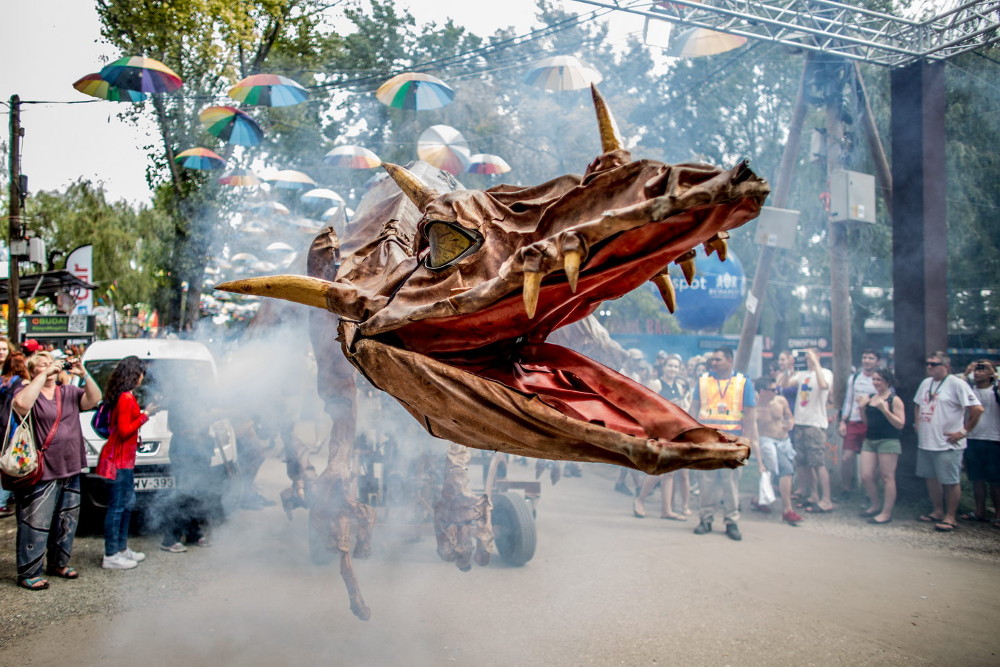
[318,195]
[562,73]
[279,246]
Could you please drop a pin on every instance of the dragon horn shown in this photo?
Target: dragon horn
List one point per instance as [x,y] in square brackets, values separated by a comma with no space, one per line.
[309,291]
[611,138]
[419,194]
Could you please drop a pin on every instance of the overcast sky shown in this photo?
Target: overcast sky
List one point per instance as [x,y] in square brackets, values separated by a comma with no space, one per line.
[46,45]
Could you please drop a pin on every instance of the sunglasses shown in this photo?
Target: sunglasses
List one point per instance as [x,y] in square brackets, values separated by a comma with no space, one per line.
[935,363]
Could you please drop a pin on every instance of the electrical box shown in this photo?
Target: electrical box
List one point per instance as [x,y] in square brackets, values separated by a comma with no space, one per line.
[19,247]
[777,227]
[852,197]
[36,250]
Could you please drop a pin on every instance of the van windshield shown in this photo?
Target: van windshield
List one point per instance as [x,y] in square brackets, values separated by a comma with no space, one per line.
[161,375]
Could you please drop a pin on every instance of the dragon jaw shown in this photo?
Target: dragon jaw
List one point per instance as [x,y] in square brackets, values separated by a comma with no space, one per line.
[458,335]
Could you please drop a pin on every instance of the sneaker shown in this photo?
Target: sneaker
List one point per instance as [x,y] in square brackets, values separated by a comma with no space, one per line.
[703,528]
[203,542]
[137,556]
[792,517]
[733,532]
[5,512]
[757,507]
[118,562]
[175,548]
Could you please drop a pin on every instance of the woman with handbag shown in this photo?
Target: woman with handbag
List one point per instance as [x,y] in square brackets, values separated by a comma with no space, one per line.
[48,501]
[14,372]
[116,462]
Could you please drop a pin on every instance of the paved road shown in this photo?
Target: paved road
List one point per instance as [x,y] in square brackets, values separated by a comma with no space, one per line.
[603,589]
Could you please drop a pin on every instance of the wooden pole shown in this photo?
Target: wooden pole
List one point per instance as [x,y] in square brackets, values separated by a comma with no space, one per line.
[765,259]
[14,231]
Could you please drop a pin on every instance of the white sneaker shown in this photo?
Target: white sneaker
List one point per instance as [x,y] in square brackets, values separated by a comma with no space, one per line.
[118,562]
[175,548]
[137,556]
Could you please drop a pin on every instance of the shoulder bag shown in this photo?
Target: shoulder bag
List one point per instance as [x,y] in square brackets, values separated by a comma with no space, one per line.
[22,462]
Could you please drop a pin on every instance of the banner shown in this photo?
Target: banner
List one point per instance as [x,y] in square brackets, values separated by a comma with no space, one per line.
[81,264]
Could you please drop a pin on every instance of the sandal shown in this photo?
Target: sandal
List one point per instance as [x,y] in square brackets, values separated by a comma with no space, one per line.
[64,572]
[33,583]
[972,516]
[930,518]
[945,527]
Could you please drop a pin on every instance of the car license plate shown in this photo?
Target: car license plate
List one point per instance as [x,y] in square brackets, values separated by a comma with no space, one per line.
[154,483]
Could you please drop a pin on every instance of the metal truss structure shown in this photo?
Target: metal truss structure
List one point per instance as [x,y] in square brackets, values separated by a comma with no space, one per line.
[833,27]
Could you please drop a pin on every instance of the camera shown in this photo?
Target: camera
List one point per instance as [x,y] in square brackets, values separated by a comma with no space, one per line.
[66,365]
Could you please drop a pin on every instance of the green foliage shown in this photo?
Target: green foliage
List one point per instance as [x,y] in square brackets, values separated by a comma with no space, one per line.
[128,241]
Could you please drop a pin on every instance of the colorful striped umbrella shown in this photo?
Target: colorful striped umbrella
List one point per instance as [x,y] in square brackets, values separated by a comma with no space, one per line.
[484,163]
[142,74]
[231,125]
[322,196]
[289,179]
[200,158]
[269,90]
[697,42]
[444,147]
[415,91]
[95,86]
[562,73]
[239,178]
[352,157]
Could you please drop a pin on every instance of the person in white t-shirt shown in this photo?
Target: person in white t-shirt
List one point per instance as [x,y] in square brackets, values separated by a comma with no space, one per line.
[809,435]
[982,456]
[946,410]
[852,426]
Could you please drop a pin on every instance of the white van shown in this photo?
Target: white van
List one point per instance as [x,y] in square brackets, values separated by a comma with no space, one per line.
[164,358]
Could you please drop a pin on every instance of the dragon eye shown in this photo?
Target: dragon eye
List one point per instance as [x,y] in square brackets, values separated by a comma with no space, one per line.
[449,243]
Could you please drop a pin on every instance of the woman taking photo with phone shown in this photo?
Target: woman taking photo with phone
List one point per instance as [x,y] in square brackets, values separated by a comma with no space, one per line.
[48,509]
[117,462]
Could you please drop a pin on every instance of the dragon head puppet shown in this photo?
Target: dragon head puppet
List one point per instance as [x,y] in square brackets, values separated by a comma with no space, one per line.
[445,302]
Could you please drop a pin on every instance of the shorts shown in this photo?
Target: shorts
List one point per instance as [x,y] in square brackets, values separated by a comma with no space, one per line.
[945,465]
[982,461]
[810,446]
[778,456]
[854,436]
[882,446]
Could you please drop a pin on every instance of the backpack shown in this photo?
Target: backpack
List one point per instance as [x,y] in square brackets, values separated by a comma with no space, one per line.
[101,421]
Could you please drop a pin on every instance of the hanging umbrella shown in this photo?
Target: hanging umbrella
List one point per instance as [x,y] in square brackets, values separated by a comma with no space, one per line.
[352,157]
[332,211]
[304,223]
[696,42]
[269,208]
[269,90]
[484,163]
[289,179]
[243,257]
[239,177]
[415,91]
[142,74]
[562,73]
[444,147]
[200,158]
[322,196]
[231,125]
[95,86]
[279,246]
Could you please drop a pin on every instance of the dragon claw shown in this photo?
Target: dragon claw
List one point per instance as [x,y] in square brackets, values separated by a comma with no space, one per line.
[571,264]
[686,262]
[532,287]
[719,244]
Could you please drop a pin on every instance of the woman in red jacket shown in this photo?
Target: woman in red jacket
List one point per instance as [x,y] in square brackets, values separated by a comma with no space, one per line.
[117,462]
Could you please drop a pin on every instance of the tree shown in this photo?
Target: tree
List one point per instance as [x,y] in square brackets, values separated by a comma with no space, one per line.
[128,241]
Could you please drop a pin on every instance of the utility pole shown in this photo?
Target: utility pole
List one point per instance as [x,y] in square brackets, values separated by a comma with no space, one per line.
[840,295]
[14,232]
[765,259]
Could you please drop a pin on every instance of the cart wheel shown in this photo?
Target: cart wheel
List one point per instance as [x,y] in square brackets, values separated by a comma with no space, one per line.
[319,549]
[514,528]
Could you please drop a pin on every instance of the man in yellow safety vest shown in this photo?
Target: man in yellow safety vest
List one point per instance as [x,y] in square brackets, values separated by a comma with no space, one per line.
[724,401]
